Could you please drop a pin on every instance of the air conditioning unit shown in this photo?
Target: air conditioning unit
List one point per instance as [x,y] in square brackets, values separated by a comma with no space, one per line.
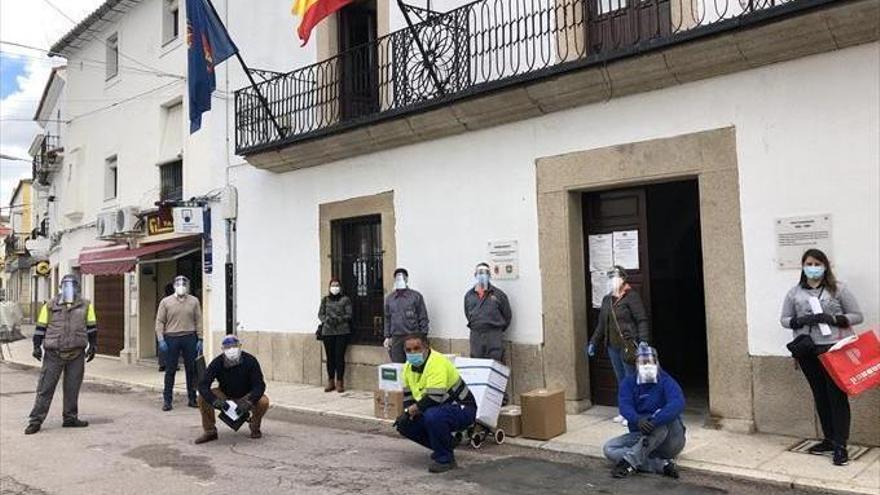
[106,225]
[127,221]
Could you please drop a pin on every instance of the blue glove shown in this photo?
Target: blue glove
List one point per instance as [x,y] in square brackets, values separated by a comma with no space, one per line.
[199,348]
[591,350]
[163,347]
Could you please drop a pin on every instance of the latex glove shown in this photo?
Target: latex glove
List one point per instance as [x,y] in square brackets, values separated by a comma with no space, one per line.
[841,321]
[796,322]
[244,406]
[826,319]
[38,353]
[387,343]
[163,347]
[220,404]
[90,353]
[646,426]
[591,350]
[199,348]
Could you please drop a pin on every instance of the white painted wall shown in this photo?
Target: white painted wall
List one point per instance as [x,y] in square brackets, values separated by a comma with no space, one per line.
[806,143]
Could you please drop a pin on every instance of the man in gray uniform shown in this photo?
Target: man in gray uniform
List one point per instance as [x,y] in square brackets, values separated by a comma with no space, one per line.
[405,313]
[488,314]
[68,331]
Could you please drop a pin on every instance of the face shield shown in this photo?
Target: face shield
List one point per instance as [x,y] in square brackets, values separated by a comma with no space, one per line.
[231,349]
[647,364]
[69,289]
[616,281]
[400,281]
[181,286]
[482,275]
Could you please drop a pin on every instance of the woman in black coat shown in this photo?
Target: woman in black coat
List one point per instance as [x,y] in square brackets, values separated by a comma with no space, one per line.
[335,316]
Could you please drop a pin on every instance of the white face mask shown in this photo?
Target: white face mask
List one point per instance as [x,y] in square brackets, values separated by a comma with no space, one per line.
[400,282]
[180,290]
[233,353]
[334,289]
[647,373]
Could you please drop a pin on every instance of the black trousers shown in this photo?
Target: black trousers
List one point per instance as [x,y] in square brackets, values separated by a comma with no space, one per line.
[334,347]
[832,404]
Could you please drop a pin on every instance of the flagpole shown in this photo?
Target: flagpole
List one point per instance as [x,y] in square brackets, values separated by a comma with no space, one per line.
[247,72]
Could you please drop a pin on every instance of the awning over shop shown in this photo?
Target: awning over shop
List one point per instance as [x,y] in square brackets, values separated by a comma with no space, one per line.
[114,260]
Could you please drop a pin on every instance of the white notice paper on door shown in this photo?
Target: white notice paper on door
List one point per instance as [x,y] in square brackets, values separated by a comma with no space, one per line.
[599,286]
[816,307]
[626,248]
[601,252]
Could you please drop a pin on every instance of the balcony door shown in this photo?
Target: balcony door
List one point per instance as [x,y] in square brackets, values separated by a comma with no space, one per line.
[358,61]
[614,25]
[356,245]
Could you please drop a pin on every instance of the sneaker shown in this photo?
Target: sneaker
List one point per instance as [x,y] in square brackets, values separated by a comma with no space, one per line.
[841,456]
[167,407]
[825,447]
[208,436]
[670,470]
[74,423]
[32,428]
[624,423]
[437,467]
[622,469]
[617,419]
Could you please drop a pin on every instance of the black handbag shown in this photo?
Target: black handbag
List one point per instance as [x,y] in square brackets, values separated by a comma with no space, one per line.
[802,346]
[629,351]
[319,333]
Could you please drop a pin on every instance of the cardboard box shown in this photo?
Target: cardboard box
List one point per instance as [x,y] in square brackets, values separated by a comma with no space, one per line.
[390,376]
[387,404]
[489,400]
[483,372]
[510,420]
[543,413]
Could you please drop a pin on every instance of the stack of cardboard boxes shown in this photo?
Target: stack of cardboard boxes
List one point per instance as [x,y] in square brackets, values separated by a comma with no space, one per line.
[388,399]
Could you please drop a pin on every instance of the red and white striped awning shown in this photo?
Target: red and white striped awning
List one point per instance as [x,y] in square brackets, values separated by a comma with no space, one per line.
[119,258]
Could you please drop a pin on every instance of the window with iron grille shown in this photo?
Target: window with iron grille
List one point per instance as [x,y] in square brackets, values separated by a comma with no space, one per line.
[171,181]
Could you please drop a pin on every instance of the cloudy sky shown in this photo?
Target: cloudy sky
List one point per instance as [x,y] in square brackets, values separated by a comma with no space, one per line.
[23,73]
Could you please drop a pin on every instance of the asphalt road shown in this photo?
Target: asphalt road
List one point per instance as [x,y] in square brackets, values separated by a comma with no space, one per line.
[132,447]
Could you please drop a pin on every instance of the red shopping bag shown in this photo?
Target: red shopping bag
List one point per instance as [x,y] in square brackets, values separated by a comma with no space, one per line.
[854,363]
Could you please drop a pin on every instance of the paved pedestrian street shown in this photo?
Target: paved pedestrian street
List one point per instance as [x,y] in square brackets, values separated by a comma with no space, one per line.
[131,447]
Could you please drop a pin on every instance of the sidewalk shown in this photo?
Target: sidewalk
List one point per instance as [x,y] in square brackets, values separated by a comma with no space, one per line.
[758,457]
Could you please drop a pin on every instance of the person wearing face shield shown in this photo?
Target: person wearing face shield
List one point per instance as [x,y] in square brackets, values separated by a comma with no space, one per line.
[437,402]
[335,315]
[488,314]
[405,313]
[622,324]
[65,339]
[179,331]
[652,403]
[240,379]
[821,330]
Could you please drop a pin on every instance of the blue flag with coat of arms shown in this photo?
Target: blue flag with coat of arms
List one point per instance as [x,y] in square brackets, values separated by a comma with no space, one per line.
[208,44]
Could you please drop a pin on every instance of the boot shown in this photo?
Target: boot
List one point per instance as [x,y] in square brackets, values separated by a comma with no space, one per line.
[340,387]
[208,436]
[32,428]
[331,385]
[74,423]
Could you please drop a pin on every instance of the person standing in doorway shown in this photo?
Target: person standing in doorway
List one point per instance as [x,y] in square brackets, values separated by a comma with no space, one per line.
[822,311]
[622,325]
[488,315]
[335,315]
[179,330]
[67,329]
[405,313]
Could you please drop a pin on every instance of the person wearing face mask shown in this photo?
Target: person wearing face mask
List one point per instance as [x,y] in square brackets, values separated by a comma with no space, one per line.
[240,379]
[405,313]
[179,331]
[622,322]
[335,315]
[839,312]
[652,403]
[488,315]
[437,402]
[65,339]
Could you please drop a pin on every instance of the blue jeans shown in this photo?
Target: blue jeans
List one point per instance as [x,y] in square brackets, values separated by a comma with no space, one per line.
[621,369]
[434,429]
[177,345]
[648,453]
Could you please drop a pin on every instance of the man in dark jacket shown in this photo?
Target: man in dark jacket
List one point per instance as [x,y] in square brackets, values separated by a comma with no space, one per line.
[652,403]
[488,315]
[405,314]
[241,381]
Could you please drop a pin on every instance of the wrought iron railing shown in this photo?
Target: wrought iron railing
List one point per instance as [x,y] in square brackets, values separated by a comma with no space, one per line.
[47,159]
[480,46]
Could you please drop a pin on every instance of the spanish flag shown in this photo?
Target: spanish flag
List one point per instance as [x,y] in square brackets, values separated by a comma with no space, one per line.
[311,12]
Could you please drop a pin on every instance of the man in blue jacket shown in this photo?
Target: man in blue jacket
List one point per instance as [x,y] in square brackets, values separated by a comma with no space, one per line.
[652,403]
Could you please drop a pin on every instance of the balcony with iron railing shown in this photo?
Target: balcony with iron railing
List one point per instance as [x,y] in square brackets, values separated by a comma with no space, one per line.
[47,159]
[491,47]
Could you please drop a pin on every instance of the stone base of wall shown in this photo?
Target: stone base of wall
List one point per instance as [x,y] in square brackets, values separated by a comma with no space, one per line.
[784,404]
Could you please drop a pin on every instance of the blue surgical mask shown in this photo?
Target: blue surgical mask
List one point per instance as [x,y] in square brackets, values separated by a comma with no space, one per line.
[814,272]
[482,279]
[415,358]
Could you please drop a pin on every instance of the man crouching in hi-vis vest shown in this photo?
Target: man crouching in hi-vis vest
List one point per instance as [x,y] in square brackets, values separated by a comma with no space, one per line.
[67,330]
[438,403]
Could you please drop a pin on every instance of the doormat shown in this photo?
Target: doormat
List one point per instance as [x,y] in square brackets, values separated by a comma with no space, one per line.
[855,451]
